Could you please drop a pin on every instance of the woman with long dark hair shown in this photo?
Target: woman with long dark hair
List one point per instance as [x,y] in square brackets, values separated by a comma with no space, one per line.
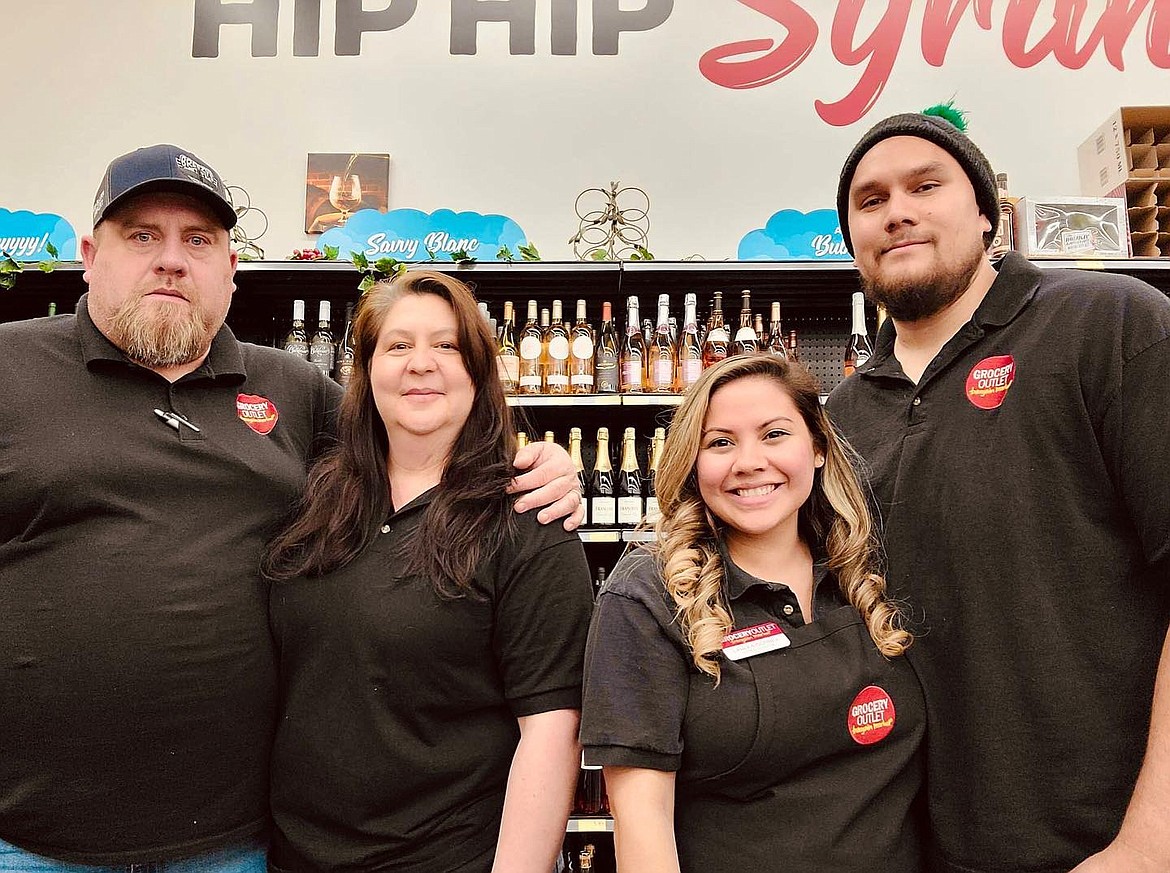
[745,690]
[430,638]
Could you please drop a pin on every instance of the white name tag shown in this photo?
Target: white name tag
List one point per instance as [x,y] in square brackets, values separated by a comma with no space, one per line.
[755,640]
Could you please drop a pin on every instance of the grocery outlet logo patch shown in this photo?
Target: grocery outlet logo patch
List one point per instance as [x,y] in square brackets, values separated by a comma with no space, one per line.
[871,716]
[989,381]
[257,412]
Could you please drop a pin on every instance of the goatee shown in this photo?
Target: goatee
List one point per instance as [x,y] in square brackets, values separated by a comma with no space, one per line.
[165,336]
[918,297]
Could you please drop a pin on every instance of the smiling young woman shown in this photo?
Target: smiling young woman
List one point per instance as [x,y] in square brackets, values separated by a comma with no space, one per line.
[746,669]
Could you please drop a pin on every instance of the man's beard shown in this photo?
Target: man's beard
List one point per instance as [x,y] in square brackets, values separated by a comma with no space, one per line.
[163,336]
[919,297]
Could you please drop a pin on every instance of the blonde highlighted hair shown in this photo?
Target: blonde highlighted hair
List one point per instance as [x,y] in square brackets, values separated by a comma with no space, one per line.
[835,520]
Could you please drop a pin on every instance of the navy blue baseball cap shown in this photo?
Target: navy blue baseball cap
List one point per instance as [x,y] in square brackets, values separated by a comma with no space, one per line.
[162,168]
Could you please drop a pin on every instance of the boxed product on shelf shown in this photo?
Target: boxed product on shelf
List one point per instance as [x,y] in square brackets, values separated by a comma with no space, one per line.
[1132,143]
[1072,227]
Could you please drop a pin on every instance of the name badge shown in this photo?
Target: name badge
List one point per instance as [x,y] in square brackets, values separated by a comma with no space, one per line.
[754,640]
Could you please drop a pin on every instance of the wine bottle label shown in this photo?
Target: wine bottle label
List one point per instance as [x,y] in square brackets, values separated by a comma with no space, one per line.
[718,335]
[532,380]
[510,367]
[662,374]
[530,348]
[582,348]
[690,370]
[632,375]
[745,335]
[603,511]
[345,372]
[557,380]
[558,348]
[582,379]
[607,377]
[629,510]
[653,511]
[300,348]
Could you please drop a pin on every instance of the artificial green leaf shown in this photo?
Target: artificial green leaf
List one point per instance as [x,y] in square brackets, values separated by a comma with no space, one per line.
[600,255]
[52,250]
[331,252]
[386,266]
[360,261]
[529,253]
[505,254]
[47,266]
[431,255]
[462,257]
[367,283]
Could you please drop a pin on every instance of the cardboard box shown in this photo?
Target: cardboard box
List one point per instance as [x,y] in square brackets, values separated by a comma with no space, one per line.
[1132,143]
[1072,227]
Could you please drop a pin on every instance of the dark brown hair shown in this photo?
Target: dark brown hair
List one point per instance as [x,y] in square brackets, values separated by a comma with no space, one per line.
[347,497]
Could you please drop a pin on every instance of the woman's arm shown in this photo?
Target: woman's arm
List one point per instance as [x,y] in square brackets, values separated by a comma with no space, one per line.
[540,792]
[642,802]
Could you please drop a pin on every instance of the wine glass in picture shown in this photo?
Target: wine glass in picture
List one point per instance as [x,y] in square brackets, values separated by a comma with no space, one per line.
[345,192]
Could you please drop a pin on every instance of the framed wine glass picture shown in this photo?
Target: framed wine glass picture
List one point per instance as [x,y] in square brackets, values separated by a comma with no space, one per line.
[337,185]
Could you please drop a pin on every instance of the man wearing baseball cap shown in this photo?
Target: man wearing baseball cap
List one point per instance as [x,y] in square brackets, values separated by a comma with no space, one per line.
[147,456]
[1015,422]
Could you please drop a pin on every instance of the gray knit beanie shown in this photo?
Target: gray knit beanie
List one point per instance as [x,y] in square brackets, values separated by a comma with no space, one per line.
[943,134]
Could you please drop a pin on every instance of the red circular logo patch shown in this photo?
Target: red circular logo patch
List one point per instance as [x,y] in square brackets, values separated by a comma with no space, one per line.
[989,381]
[871,716]
[257,412]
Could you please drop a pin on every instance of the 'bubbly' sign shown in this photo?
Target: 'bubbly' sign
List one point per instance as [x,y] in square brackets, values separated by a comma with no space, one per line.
[26,236]
[790,235]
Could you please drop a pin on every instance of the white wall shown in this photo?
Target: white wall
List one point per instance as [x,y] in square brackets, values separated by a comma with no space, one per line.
[85,80]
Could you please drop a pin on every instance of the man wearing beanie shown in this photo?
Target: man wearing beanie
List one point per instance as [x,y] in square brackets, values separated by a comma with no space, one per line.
[1015,423]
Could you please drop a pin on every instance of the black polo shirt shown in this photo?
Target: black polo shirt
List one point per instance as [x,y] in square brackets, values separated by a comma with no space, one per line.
[137,679]
[1025,489]
[399,712]
[804,758]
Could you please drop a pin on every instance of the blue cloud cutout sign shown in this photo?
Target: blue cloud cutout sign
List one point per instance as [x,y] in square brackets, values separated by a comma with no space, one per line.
[791,235]
[407,234]
[26,236]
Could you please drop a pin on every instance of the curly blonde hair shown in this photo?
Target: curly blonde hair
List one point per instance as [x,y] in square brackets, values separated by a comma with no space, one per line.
[835,520]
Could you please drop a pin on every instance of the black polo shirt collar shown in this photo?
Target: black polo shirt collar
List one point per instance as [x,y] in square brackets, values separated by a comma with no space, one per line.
[223,362]
[738,584]
[1014,287]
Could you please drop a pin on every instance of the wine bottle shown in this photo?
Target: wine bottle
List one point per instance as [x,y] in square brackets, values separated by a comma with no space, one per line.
[653,512]
[509,354]
[1004,240]
[544,338]
[521,439]
[321,348]
[297,341]
[793,348]
[52,309]
[858,350]
[608,367]
[746,342]
[717,339]
[690,350]
[776,334]
[346,352]
[634,352]
[581,359]
[529,381]
[630,508]
[579,465]
[663,357]
[602,502]
[556,373]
